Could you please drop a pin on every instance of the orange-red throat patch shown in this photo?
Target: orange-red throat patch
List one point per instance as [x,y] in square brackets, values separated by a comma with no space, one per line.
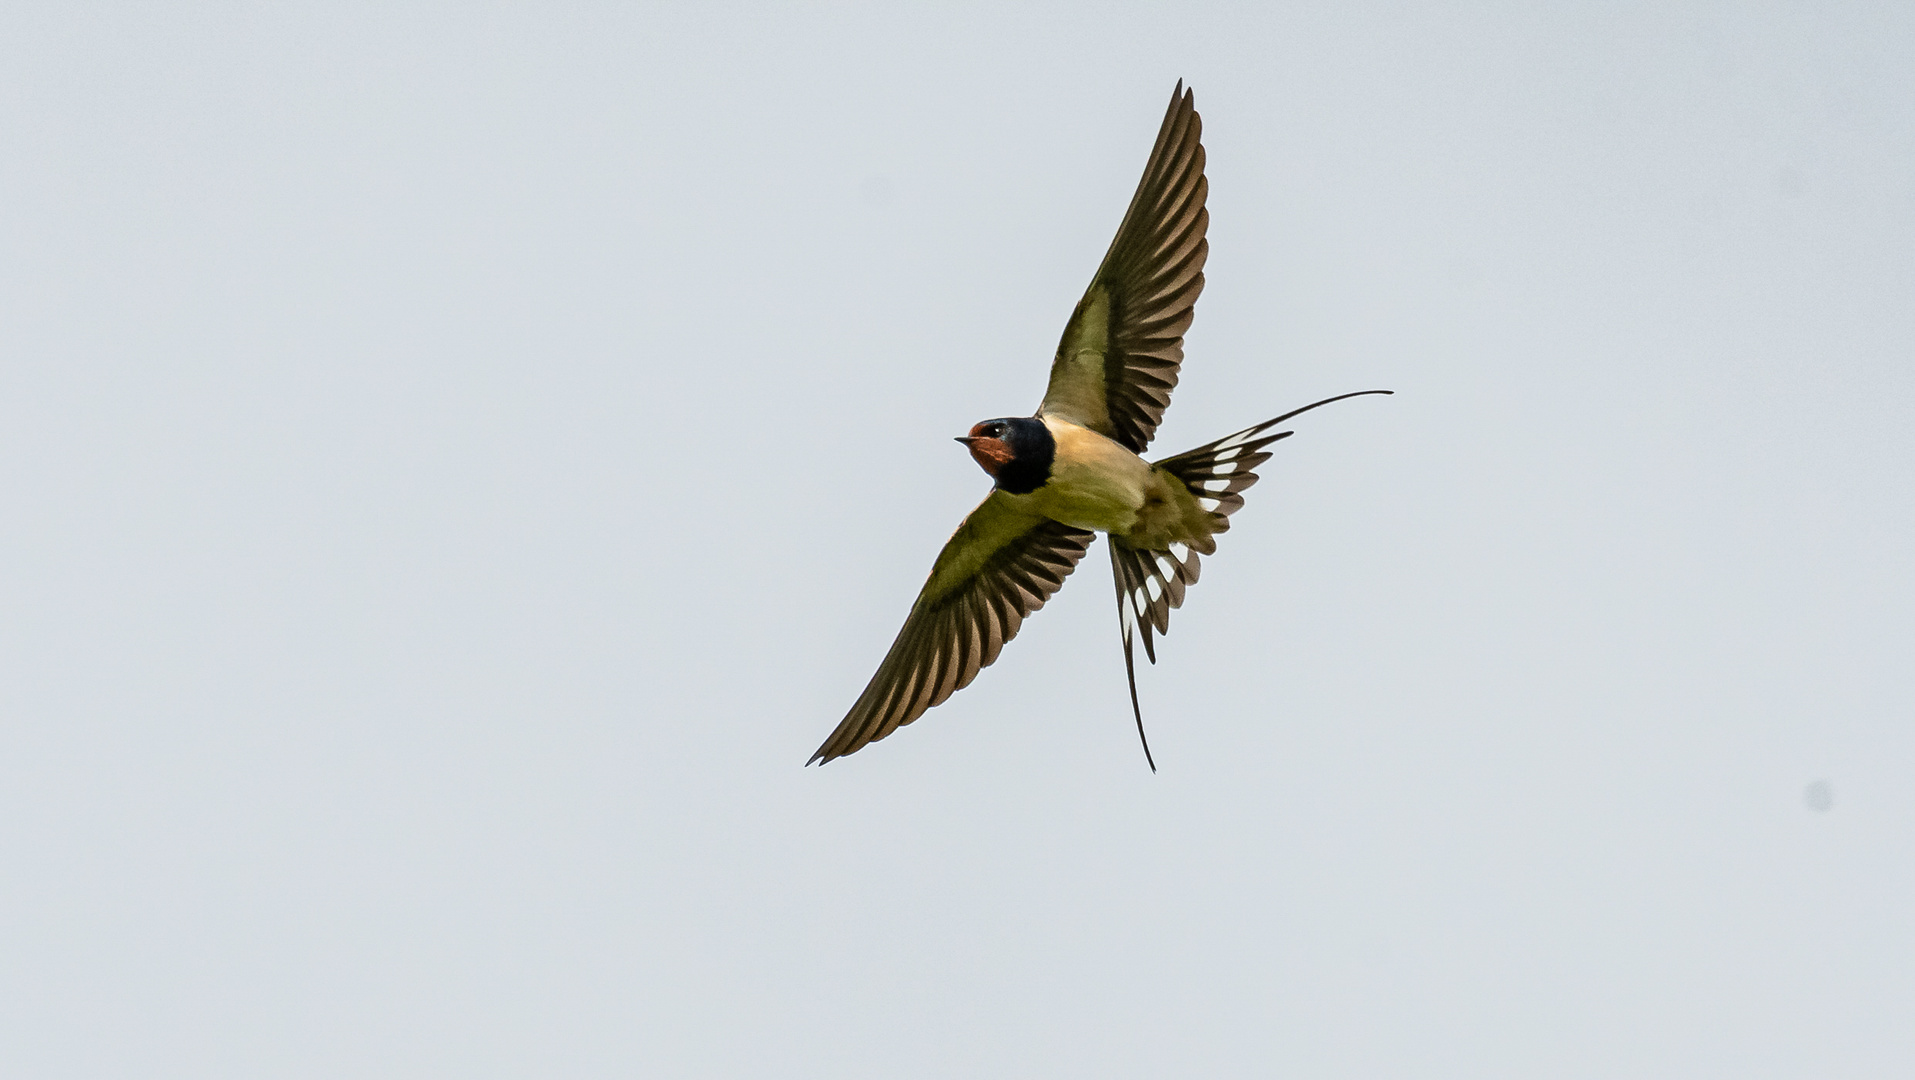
[990,454]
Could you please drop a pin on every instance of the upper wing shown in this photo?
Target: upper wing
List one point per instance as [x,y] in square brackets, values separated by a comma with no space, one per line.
[1118,359]
[1000,565]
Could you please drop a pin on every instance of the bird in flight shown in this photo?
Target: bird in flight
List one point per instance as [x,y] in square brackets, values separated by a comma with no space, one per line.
[1073,470]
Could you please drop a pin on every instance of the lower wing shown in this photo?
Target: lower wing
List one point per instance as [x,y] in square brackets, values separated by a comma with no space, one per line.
[1002,564]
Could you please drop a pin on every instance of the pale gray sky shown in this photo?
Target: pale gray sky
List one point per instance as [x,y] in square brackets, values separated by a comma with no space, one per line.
[457,466]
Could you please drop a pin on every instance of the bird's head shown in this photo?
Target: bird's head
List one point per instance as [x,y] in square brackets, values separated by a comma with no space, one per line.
[1015,451]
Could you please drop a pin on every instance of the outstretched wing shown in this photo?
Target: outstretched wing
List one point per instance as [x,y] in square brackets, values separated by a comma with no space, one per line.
[1118,360]
[1000,565]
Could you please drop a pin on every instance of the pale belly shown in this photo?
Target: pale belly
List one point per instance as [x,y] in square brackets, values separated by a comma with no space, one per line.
[1095,483]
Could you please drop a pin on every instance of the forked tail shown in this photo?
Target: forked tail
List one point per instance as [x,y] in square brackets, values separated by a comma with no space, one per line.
[1150,583]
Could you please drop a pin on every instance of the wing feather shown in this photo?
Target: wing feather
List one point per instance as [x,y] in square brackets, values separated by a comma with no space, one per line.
[1119,357]
[1002,564]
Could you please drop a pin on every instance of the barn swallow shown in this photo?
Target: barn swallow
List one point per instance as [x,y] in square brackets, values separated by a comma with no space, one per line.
[1074,469]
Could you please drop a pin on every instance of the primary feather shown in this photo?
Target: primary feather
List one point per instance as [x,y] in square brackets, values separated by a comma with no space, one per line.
[1118,359]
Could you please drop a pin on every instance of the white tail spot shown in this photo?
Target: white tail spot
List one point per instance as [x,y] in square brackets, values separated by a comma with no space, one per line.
[1239,438]
[1180,552]
[1215,485]
[1127,617]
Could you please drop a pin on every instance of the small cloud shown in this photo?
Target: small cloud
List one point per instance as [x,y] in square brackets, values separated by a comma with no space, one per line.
[1819,795]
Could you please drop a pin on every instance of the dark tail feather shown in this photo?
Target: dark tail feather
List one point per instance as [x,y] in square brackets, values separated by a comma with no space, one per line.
[1149,584]
[1215,472]
[1130,673]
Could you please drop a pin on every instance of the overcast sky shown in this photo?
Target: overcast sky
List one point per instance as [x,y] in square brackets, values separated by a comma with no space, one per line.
[457,462]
